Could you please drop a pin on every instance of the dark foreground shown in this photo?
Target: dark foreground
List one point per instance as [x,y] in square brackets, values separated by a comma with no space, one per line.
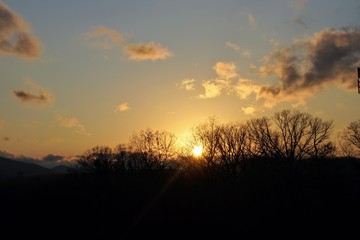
[268,198]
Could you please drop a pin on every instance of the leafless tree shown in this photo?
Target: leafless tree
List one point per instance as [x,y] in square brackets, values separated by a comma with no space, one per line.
[151,149]
[99,160]
[349,139]
[291,135]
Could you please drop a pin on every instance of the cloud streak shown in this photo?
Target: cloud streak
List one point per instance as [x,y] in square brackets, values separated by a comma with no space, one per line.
[15,36]
[43,97]
[146,51]
[103,37]
[72,122]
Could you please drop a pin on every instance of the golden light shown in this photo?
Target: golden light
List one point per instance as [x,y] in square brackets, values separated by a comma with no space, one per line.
[197,151]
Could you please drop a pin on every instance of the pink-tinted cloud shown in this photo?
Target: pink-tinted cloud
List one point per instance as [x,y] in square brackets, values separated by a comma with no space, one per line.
[251,20]
[15,36]
[42,97]
[146,51]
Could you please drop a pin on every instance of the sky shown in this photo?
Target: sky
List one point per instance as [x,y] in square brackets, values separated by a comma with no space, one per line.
[76,74]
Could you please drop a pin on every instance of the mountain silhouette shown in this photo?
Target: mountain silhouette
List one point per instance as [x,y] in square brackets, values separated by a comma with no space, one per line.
[12,168]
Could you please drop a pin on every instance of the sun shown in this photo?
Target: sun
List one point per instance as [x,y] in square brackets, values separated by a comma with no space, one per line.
[197,151]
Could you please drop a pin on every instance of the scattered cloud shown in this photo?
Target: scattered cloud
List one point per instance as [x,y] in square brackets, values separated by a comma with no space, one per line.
[52,158]
[15,35]
[226,70]
[43,97]
[122,107]
[329,60]
[233,46]
[6,138]
[214,88]
[245,87]
[103,37]
[72,122]
[251,20]
[146,51]
[187,84]
[249,110]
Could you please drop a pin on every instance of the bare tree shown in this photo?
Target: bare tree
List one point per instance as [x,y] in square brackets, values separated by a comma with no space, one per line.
[294,135]
[151,149]
[349,139]
[99,160]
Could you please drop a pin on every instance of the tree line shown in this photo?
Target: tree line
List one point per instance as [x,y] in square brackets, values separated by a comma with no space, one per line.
[289,135]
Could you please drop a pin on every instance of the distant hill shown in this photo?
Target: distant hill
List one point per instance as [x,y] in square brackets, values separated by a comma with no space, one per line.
[62,168]
[12,168]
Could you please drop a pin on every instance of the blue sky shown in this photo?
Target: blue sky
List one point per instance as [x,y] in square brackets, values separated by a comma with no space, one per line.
[94,72]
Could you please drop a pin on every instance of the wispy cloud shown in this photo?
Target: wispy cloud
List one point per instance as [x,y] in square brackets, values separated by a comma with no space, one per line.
[251,20]
[103,37]
[330,59]
[146,51]
[297,7]
[246,54]
[122,107]
[43,96]
[233,46]
[15,36]
[72,122]
[187,84]
[226,70]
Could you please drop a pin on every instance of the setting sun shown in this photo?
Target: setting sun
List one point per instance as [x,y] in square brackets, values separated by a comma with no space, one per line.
[197,151]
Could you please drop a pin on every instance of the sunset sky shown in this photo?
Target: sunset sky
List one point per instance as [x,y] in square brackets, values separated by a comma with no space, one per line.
[75,74]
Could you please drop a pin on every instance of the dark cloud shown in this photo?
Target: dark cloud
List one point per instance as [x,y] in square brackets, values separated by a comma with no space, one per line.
[15,37]
[146,51]
[42,98]
[6,138]
[328,58]
[52,158]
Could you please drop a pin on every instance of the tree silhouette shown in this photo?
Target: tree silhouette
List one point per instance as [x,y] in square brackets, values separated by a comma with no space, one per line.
[151,149]
[349,139]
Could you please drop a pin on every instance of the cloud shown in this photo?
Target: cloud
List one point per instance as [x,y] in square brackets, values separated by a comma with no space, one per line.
[43,96]
[330,59]
[146,51]
[6,138]
[103,37]
[226,70]
[251,20]
[297,7]
[15,37]
[72,122]
[122,107]
[52,158]
[249,110]
[245,87]
[187,84]
[214,88]
[246,54]
[233,46]
[2,123]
